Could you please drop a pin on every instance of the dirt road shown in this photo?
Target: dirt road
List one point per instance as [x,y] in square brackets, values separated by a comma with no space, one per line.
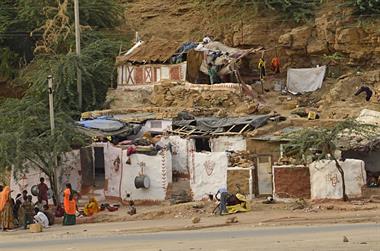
[323,237]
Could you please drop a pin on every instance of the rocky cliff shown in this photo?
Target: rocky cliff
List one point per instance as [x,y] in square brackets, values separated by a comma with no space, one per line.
[347,43]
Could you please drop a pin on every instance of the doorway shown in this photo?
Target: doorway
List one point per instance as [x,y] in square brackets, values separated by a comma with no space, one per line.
[99,168]
[264,175]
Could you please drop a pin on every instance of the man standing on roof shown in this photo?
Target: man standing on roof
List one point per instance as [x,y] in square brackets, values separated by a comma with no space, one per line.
[213,74]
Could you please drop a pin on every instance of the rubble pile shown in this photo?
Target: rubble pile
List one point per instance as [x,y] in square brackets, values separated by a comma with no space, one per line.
[241,159]
[173,94]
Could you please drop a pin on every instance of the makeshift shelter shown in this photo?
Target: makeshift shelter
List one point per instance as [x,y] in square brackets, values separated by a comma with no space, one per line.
[203,145]
[226,59]
[121,169]
[152,61]
[367,150]
[268,149]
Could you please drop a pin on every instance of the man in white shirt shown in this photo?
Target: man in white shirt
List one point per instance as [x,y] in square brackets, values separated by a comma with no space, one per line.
[41,218]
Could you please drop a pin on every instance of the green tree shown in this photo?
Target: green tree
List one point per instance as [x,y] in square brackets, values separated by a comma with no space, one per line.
[26,140]
[365,7]
[322,143]
[97,63]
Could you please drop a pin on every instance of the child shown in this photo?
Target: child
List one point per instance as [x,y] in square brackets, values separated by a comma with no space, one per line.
[131,208]
[28,211]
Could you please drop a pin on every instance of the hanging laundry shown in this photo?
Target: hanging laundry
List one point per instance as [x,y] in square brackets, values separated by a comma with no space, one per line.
[261,67]
[275,64]
[367,91]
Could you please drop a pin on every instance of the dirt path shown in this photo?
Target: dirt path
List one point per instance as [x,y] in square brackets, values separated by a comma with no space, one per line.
[326,237]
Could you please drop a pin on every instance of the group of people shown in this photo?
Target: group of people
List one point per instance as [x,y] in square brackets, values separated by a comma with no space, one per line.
[21,211]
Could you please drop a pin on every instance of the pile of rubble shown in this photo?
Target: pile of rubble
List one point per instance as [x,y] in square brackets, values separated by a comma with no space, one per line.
[243,159]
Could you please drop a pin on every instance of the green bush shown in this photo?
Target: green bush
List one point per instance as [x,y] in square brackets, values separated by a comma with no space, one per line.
[365,7]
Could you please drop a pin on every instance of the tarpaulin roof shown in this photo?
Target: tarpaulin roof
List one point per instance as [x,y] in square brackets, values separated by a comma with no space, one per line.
[105,126]
[213,125]
[156,50]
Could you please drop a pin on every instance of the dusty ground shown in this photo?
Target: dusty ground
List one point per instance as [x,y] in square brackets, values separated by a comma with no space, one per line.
[263,214]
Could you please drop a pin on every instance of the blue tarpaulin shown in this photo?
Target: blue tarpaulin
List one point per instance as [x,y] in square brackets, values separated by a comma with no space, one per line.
[102,123]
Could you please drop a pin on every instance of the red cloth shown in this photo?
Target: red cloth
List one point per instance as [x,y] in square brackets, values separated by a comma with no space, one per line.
[275,65]
[131,150]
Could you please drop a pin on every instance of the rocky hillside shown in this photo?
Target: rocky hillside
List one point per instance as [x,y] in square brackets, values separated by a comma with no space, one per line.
[347,43]
[334,30]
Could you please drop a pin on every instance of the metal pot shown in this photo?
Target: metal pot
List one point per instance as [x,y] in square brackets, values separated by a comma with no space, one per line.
[34,190]
[142,181]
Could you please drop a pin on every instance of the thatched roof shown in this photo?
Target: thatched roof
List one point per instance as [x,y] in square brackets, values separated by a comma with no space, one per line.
[155,50]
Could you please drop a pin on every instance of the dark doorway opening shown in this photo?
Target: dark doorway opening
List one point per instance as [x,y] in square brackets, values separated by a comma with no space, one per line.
[202,144]
[99,167]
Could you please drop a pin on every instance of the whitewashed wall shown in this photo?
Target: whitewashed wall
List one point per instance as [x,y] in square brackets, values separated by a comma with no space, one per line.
[326,181]
[113,170]
[228,143]
[208,173]
[157,125]
[159,170]
[180,153]
[70,172]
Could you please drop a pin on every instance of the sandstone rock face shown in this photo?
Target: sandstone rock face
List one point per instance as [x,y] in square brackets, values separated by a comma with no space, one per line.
[331,34]
[301,36]
[316,46]
[296,39]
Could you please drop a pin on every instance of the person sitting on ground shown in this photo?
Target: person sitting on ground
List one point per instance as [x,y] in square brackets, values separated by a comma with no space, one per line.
[92,207]
[27,212]
[49,215]
[59,211]
[131,208]
[41,218]
[40,204]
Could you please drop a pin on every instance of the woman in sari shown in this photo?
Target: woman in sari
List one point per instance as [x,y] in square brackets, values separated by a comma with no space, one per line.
[91,208]
[69,205]
[6,209]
